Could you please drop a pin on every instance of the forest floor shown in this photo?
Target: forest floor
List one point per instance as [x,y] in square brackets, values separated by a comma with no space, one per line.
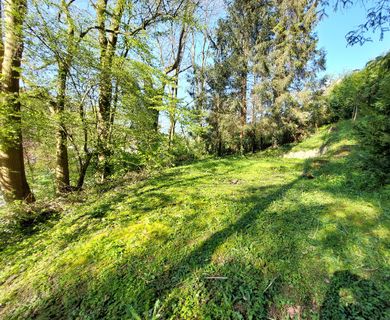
[256,237]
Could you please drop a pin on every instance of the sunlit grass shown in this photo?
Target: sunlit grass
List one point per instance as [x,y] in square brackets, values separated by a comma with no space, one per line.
[233,238]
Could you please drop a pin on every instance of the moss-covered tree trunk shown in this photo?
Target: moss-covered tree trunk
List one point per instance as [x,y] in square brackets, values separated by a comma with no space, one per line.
[13,180]
[103,124]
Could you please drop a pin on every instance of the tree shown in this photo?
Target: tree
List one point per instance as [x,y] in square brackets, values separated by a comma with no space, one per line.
[236,35]
[287,61]
[107,42]
[13,180]
[218,80]
[55,41]
[109,29]
[64,61]
[172,43]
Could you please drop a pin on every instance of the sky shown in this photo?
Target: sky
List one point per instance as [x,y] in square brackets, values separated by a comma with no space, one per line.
[331,32]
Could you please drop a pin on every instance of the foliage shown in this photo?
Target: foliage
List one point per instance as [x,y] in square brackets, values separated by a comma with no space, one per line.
[346,93]
[364,95]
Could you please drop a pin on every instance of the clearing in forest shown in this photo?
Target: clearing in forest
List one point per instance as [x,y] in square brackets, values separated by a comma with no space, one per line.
[262,236]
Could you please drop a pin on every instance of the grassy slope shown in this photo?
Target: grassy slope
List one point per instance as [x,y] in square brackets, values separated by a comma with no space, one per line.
[283,244]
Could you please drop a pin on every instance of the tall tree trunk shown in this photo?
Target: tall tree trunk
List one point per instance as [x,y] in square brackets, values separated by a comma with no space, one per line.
[13,180]
[254,142]
[176,67]
[107,52]
[172,114]
[64,62]
[243,109]
[355,111]
[103,125]
[172,126]
[62,161]
[217,126]
[254,124]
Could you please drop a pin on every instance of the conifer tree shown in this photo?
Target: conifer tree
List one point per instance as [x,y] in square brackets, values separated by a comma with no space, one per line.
[286,59]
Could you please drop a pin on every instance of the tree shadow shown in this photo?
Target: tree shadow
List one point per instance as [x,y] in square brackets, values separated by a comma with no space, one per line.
[24,226]
[235,287]
[199,258]
[234,293]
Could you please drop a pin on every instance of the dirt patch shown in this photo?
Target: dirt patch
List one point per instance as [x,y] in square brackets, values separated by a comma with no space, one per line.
[306,154]
[294,312]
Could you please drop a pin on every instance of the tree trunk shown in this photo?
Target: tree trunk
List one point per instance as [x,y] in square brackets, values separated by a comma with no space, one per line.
[64,63]
[107,52]
[13,180]
[172,115]
[243,109]
[254,142]
[103,126]
[87,153]
[171,130]
[217,128]
[355,111]
[62,161]
[83,171]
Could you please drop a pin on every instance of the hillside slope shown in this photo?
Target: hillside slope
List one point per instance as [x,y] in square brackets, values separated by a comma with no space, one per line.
[236,238]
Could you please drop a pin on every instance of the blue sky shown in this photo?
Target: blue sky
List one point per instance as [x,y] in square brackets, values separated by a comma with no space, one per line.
[332,31]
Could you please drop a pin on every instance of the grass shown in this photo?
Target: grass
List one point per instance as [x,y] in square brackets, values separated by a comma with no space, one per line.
[233,238]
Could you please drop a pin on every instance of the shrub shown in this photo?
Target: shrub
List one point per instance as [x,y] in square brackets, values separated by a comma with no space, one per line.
[365,95]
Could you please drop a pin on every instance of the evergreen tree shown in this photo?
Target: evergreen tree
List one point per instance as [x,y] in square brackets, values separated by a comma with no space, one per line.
[287,60]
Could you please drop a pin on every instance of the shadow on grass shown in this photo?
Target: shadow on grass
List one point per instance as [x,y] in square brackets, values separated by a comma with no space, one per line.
[177,179]
[78,297]
[23,225]
[245,290]
[352,297]
[163,283]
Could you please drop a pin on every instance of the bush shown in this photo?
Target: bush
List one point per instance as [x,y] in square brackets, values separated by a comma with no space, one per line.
[185,150]
[373,128]
[367,93]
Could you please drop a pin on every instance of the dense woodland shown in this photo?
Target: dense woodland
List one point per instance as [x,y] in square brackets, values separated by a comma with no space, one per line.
[104,93]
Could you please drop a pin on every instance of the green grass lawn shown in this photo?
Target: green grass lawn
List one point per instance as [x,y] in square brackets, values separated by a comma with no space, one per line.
[232,238]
